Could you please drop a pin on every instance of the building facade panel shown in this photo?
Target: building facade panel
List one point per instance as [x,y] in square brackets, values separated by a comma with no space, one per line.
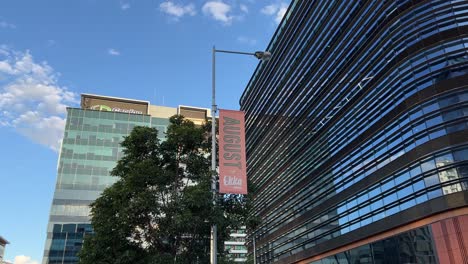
[451,239]
[362,114]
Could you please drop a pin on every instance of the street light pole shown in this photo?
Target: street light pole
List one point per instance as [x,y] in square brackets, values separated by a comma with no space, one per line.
[261,55]
[255,250]
[214,235]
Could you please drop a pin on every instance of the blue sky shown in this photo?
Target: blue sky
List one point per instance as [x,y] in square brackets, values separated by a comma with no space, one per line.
[53,50]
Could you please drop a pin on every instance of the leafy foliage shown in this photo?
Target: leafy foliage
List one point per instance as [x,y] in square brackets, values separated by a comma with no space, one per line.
[160,210]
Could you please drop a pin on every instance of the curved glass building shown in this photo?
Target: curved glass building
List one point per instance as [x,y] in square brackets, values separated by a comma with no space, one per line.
[357,134]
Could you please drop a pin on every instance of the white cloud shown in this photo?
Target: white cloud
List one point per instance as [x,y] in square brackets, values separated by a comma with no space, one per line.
[269,9]
[275,10]
[6,67]
[281,12]
[113,52]
[51,42]
[244,8]
[4,24]
[24,260]
[218,11]
[246,40]
[31,100]
[124,6]
[177,11]
[47,131]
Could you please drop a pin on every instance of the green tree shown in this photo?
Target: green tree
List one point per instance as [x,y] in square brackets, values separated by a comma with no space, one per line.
[160,209]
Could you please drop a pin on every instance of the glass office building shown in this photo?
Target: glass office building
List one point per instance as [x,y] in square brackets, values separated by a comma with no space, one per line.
[90,150]
[357,134]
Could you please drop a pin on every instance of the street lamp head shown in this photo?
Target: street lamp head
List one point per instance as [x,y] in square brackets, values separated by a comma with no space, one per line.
[263,55]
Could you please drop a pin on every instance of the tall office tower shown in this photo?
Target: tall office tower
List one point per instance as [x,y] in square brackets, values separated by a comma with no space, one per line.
[357,136]
[90,150]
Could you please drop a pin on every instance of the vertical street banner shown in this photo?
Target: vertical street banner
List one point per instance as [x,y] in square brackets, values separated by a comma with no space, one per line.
[232,164]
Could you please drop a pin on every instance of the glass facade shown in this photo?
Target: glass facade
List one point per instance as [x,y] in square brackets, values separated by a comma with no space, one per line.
[360,115]
[415,246]
[90,150]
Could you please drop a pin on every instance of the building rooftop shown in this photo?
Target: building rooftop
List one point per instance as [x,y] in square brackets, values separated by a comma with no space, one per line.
[3,241]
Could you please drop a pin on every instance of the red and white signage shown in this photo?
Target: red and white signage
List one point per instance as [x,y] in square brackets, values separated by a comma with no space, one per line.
[232,164]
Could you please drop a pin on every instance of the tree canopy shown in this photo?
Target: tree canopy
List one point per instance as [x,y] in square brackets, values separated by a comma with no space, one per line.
[160,209]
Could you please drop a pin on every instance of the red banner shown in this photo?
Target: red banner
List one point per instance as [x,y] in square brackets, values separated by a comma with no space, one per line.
[232,164]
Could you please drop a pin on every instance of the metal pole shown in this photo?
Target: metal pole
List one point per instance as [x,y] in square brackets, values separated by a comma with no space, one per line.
[236,52]
[254,250]
[213,157]
[214,109]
